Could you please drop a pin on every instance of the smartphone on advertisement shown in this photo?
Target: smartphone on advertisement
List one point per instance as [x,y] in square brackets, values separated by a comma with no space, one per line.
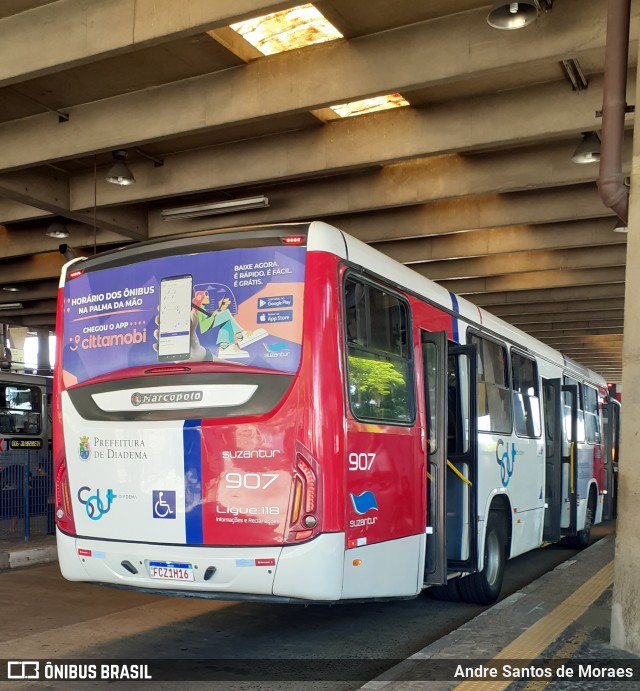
[174,327]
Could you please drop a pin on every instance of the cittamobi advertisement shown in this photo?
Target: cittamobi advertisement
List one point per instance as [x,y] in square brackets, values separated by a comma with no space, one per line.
[241,305]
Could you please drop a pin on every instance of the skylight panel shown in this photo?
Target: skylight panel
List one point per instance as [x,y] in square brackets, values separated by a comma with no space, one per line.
[369,105]
[289,29]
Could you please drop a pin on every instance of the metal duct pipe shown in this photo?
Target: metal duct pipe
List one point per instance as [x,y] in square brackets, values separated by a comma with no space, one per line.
[613,191]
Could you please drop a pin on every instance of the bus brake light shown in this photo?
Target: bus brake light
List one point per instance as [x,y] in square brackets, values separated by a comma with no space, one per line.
[305,519]
[310,482]
[292,240]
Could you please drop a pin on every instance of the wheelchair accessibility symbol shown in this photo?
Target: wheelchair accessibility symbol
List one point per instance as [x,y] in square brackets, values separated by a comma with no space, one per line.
[164,503]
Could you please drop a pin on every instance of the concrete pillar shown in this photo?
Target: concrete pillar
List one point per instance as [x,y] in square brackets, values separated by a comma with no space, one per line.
[17,337]
[44,363]
[625,614]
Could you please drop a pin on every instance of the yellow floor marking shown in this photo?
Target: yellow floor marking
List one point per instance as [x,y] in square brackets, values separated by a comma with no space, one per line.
[529,645]
[566,652]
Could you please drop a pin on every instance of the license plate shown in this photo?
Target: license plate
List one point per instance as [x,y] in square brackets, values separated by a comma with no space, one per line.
[170,571]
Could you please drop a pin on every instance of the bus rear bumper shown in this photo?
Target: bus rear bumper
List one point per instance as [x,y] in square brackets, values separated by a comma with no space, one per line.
[309,571]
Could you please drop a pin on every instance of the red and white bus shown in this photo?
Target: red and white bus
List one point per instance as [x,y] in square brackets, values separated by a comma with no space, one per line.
[284,413]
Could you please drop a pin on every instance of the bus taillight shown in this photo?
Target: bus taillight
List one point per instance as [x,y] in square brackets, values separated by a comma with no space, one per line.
[305,521]
[64,511]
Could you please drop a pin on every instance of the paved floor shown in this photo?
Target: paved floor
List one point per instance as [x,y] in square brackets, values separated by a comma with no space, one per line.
[554,633]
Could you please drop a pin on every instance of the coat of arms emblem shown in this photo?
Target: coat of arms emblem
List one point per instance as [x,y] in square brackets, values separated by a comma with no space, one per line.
[85,449]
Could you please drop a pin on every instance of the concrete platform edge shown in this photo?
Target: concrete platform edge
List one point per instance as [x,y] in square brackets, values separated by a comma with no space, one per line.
[27,556]
[484,636]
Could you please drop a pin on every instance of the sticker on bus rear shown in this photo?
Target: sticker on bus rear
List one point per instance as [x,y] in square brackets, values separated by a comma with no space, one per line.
[240,305]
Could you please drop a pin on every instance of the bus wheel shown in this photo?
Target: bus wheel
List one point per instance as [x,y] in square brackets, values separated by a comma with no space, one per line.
[448,593]
[483,588]
[581,539]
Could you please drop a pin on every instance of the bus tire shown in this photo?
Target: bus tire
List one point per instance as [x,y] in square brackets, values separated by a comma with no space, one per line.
[483,587]
[582,538]
[448,593]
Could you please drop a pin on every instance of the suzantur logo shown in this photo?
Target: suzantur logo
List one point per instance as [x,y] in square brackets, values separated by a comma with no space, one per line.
[161,397]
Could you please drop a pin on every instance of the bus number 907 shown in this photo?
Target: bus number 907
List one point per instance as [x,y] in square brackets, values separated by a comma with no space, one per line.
[361,461]
[250,480]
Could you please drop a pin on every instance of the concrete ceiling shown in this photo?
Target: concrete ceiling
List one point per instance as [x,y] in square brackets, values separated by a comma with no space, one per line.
[472,184]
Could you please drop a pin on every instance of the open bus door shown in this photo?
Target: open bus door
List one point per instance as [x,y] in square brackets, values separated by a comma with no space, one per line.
[450,395]
[570,456]
[611,419]
[552,404]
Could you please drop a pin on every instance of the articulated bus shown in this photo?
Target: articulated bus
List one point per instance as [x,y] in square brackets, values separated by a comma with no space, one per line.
[285,414]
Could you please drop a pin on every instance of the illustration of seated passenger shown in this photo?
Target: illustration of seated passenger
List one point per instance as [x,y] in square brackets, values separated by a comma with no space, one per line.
[231,337]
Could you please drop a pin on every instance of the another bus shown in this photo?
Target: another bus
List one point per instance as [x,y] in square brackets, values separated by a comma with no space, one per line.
[285,414]
[25,444]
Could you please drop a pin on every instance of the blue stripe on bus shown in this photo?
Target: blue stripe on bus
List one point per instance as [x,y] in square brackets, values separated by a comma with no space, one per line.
[192,482]
[454,320]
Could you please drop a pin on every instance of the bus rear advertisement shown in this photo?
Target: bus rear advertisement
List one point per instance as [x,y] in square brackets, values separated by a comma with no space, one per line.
[283,413]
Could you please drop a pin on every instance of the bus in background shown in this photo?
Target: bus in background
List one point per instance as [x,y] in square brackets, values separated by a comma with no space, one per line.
[25,444]
[284,413]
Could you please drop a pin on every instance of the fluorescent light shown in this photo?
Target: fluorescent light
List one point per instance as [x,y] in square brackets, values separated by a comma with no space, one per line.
[11,289]
[11,306]
[224,207]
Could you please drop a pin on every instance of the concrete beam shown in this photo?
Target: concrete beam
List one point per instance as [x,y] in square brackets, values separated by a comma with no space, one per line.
[577,306]
[16,243]
[586,331]
[471,213]
[71,33]
[12,212]
[348,201]
[339,146]
[42,290]
[568,325]
[411,182]
[46,307]
[336,72]
[551,236]
[526,297]
[541,279]
[36,267]
[49,191]
[34,321]
[590,315]
[524,262]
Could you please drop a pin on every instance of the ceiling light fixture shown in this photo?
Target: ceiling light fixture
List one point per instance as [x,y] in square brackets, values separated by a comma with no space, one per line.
[588,151]
[57,230]
[224,207]
[119,173]
[11,306]
[512,15]
[11,289]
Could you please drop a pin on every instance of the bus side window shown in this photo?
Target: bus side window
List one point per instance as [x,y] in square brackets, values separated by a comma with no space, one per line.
[380,367]
[591,415]
[494,391]
[567,413]
[526,400]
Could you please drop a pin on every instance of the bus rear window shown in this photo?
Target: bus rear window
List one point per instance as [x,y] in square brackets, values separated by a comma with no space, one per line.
[242,305]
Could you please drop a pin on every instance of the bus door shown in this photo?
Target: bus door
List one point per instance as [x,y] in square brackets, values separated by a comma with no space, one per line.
[552,404]
[611,420]
[570,459]
[450,384]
